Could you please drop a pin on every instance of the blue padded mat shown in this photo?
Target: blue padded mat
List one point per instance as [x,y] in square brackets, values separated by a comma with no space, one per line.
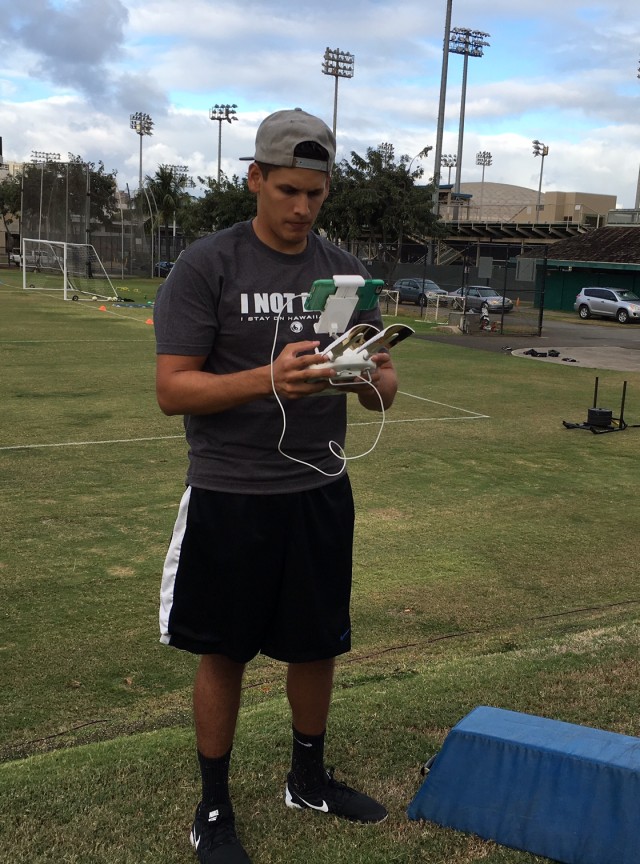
[568,792]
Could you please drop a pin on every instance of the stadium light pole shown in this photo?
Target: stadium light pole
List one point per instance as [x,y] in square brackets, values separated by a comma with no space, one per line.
[638,186]
[38,157]
[339,64]
[485,159]
[448,160]
[222,113]
[437,156]
[469,43]
[142,125]
[540,149]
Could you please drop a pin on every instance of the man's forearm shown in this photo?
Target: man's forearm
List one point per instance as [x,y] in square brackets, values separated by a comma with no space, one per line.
[387,387]
[191,391]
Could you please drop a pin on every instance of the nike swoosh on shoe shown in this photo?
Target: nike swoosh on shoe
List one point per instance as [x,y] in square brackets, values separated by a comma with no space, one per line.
[324,807]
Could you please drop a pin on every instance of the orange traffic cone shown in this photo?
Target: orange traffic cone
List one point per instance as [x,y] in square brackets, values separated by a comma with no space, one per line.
[102,309]
[149,321]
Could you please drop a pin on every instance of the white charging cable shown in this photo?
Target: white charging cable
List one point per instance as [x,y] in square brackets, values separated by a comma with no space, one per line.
[334,447]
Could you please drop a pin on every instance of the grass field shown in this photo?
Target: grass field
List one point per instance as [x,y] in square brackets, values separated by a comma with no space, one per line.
[494,564]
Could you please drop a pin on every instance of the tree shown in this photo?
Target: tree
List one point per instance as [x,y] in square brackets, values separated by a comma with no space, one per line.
[167,188]
[62,200]
[100,187]
[375,201]
[10,205]
[225,203]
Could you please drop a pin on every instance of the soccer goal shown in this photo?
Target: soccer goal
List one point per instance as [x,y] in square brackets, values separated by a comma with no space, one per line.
[75,269]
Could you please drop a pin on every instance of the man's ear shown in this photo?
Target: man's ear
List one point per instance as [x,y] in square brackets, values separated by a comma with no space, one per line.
[254,178]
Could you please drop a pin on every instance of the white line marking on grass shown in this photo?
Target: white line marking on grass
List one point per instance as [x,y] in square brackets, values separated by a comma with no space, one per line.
[137,318]
[90,443]
[444,405]
[421,420]
[473,415]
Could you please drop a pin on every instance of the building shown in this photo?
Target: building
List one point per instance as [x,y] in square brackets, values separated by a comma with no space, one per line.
[511,220]
[607,256]
[502,202]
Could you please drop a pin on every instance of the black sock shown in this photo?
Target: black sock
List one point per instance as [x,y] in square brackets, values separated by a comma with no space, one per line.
[215,779]
[307,760]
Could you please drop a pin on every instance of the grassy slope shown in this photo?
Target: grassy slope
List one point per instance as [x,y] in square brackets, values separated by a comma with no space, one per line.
[492,566]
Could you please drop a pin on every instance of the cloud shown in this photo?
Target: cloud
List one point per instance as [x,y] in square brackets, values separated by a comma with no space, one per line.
[74,70]
[71,44]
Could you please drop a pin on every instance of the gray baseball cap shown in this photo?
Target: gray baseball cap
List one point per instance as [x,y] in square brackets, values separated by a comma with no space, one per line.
[279,134]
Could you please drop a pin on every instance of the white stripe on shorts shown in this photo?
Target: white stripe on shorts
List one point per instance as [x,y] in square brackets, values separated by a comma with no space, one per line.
[171,567]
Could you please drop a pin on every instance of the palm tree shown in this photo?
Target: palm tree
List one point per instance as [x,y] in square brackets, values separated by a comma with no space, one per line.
[167,190]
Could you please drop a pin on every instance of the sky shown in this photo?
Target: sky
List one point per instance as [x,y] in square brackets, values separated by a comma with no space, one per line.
[565,73]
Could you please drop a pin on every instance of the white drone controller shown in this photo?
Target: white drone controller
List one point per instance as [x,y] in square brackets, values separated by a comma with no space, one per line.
[349,365]
[344,357]
[350,354]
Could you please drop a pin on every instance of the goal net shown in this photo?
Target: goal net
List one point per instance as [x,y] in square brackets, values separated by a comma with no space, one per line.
[74,269]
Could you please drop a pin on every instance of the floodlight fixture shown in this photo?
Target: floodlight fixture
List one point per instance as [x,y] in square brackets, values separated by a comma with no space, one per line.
[540,149]
[449,160]
[179,172]
[338,64]
[180,175]
[142,125]
[38,157]
[222,113]
[485,159]
[469,43]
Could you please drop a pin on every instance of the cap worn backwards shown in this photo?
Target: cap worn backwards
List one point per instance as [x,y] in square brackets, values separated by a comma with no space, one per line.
[279,134]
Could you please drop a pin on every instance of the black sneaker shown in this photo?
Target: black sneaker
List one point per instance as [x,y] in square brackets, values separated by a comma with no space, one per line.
[337,798]
[213,836]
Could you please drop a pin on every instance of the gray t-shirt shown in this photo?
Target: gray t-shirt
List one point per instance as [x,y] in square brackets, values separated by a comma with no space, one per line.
[222,300]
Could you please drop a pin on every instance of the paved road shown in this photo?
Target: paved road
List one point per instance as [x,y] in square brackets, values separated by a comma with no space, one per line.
[592,344]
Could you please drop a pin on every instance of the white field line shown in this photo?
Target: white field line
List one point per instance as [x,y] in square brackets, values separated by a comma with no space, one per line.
[473,415]
[130,317]
[86,306]
[90,443]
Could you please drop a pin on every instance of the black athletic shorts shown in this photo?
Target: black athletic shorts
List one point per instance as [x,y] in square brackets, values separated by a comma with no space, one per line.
[270,574]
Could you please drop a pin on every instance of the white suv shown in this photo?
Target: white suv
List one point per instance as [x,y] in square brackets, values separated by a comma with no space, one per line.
[615,303]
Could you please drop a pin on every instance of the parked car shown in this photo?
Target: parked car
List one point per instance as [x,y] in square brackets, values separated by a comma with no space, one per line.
[618,303]
[419,291]
[476,296]
[14,258]
[42,259]
[163,268]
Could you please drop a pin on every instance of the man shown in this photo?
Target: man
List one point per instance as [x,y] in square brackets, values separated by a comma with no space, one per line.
[260,558]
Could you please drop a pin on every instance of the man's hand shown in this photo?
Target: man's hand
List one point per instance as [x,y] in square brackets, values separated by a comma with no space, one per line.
[383,378]
[291,371]
[184,388]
